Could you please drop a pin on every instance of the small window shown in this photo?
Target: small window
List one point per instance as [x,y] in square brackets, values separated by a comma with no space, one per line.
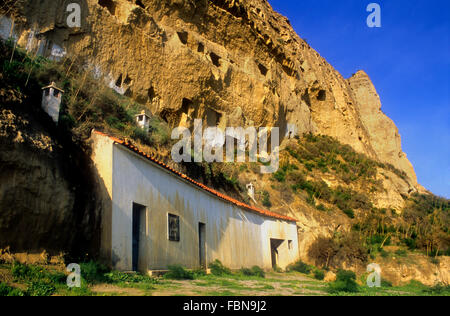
[289,244]
[174,227]
[55,93]
[47,92]
[141,118]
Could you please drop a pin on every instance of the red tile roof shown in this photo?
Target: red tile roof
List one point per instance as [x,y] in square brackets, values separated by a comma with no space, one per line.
[254,209]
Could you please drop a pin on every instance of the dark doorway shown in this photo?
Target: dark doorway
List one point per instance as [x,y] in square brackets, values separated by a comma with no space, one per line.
[138,231]
[274,244]
[202,244]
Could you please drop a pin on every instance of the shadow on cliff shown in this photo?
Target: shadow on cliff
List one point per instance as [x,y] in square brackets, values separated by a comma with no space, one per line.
[47,189]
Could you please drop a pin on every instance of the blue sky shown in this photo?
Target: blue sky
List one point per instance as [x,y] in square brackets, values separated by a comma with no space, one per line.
[408,60]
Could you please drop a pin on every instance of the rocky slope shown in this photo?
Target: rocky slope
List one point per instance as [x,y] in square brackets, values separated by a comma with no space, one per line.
[46,195]
[230,62]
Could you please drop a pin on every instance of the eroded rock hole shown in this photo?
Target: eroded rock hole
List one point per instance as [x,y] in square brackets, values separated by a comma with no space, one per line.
[108,4]
[322,95]
[119,81]
[185,105]
[151,93]
[262,69]
[200,48]
[215,59]
[183,36]
[139,3]
[127,80]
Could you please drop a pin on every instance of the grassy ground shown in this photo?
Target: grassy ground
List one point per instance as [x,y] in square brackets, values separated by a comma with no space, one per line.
[31,280]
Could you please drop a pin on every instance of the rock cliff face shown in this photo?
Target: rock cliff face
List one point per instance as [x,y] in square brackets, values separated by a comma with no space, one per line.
[383,134]
[46,197]
[230,62]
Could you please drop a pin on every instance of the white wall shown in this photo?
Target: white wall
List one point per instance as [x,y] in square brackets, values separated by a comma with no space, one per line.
[237,237]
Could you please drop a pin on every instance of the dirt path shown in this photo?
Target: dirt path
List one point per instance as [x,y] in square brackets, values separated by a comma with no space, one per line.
[275,284]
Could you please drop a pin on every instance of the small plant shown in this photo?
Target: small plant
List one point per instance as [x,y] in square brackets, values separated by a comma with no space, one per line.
[345,282]
[41,288]
[177,272]
[6,290]
[319,274]
[119,277]
[410,243]
[349,213]
[277,269]
[26,272]
[280,176]
[435,261]
[401,253]
[93,272]
[217,268]
[266,199]
[438,289]
[301,267]
[385,283]
[254,271]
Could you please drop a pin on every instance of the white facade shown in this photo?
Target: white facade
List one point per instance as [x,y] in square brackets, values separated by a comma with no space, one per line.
[143,121]
[51,101]
[209,227]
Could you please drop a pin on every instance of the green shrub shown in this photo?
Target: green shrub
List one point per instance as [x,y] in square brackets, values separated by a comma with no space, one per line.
[142,135]
[6,290]
[438,289]
[177,272]
[345,282]
[254,271]
[280,176]
[401,252]
[319,274]
[349,213]
[41,288]
[385,283]
[33,272]
[118,277]
[93,272]
[266,199]
[199,272]
[301,267]
[159,131]
[217,268]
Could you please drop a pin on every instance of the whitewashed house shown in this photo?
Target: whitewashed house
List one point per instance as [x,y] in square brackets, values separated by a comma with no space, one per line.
[154,216]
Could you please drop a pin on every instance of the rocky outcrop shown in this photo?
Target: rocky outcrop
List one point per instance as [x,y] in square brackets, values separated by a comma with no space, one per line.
[383,134]
[229,62]
[46,197]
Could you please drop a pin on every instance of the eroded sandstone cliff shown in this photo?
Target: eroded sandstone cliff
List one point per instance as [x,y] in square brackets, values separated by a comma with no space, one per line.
[230,62]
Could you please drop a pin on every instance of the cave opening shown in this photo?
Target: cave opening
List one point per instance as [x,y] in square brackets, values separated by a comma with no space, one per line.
[151,93]
[215,59]
[322,96]
[127,80]
[139,3]
[262,69]
[183,36]
[186,104]
[200,48]
[119,81]
[108,4]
